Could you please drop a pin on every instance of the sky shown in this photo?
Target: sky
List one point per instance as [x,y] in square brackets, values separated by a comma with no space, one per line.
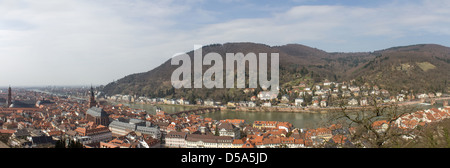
[84,42]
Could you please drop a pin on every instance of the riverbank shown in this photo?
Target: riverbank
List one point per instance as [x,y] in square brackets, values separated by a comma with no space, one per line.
[237,109]
[177,107]
[291,109]
[285,109]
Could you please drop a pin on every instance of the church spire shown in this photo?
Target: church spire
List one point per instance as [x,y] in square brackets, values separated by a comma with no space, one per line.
[92,101]
[9,101]
[92,92]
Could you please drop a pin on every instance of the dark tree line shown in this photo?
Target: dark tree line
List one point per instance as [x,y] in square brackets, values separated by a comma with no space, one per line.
[71,144]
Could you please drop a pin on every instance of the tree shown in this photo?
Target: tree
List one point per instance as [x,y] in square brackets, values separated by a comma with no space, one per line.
[60,143]
[243,134]
[433,135]
[304,71]
[216,132]
[373,126]
[282,146]
[192,99]
[72,144]
[307,98]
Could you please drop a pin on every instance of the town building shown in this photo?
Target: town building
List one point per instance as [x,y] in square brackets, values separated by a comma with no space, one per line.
[267,95]
[122,128]
[93,134]
[208,141]
[298,102]
[209,103]
[154,132]
[176,139]
[353,102]
[323,103]
[97,115]
[235,122]
[267,104]
[228,129]
[265,124]
[42,142]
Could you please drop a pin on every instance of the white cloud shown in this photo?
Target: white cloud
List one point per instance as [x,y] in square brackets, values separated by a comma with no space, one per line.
[335,24]
[83,42]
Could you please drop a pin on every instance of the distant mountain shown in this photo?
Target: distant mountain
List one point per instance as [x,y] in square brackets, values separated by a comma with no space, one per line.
[422,68]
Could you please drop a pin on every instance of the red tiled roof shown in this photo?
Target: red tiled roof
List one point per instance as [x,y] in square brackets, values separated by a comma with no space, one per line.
[5,131]
[378,124]
[339,139]
[54,133]
[248,144]
[238,141]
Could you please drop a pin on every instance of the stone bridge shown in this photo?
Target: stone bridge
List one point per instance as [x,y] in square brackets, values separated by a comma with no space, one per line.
[196,111]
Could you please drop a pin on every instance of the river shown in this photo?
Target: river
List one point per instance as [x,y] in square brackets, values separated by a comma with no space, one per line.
[299,120]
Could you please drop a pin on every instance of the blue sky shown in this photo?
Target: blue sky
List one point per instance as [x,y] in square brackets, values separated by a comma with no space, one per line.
[83,42]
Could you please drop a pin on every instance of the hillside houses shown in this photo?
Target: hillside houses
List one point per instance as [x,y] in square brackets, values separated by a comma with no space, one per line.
[266,95]
[302,95]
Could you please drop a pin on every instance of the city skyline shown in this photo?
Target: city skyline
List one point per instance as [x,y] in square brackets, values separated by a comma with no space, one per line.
[96,42]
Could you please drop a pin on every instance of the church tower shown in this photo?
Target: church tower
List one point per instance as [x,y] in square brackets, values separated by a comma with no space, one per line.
[9,101]
[92,101]
[96,114]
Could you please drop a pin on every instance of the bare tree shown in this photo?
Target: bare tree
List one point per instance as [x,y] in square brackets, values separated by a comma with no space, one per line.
[373,126]
[433,135]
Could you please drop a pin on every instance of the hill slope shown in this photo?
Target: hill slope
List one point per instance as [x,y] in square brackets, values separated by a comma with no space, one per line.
[422,68]
[409,67]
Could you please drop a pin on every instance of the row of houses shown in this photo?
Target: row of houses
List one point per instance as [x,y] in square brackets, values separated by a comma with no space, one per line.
[122,128]
[263,134]
[89,135]
[305,139]
[28,138]
[422,117]
[268,125]
[185,140]
[268,142]
[131,140]
[142,99]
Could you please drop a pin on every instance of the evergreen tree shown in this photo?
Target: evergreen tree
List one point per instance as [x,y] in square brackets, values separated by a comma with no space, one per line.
[74,144]
[60,143]
[304,71]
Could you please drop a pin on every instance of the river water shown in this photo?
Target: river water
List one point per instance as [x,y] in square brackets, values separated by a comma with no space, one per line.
[299,120]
